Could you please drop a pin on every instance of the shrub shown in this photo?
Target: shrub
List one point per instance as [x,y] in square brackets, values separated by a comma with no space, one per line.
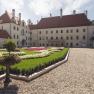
[9,45]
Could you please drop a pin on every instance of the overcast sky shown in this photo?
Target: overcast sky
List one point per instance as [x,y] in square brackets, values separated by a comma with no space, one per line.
[35,9]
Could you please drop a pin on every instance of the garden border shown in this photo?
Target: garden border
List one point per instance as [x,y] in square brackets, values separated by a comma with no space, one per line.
[37,74]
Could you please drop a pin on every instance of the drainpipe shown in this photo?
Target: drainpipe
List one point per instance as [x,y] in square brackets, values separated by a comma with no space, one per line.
[10,29]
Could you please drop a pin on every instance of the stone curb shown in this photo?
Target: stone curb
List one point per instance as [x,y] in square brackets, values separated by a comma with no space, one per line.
[37,74]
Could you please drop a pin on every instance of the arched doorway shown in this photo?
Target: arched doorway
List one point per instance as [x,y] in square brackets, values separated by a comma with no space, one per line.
[23,43]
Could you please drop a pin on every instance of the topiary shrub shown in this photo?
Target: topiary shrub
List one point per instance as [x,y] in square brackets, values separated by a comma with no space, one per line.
[9,60]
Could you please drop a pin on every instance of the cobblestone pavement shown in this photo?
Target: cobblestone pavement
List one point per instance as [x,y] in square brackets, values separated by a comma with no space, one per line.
[74,77]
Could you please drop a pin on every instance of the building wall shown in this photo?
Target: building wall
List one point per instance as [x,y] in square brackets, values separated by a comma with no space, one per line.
[18,33]
[68,36]
[60,37]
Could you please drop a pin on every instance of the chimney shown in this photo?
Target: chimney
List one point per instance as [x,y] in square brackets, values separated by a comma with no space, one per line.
[5,11]
[20,17]
[37,21]
[13,14]
[29,22]
[61,12]
[50,15]
[74,12]
[86,12]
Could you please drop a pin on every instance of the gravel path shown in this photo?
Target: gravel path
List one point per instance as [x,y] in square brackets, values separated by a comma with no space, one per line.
[74,77]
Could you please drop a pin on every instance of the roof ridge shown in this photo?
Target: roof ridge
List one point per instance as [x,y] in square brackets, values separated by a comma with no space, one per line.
[64,15]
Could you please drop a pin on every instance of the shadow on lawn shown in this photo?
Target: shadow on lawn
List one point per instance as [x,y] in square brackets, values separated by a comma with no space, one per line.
[11,89]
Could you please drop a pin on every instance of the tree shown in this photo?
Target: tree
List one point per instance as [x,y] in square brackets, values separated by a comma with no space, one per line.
[9,60]
[9,45]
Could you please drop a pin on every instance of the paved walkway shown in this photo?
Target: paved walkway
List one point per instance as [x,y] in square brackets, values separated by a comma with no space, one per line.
[74,77]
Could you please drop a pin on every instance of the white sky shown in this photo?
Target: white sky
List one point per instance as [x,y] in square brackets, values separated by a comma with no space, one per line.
[35,9]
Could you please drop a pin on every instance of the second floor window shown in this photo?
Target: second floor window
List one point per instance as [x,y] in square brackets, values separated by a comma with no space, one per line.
[77,30]
[71,30]
[77,37]
[51,32]
[67,38]
[40,32]
[14,36]
[61,37]
[22,32]
[71,37]
[2,27]
[84,37]
[61,31]
[84,30]
[17,29]
[17,36]
[67,31]
[46,32]
[56,37]
[56,31]
[46,38]
[51,38]
[40,38]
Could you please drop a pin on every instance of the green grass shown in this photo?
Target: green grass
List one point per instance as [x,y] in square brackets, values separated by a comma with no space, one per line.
[32,63]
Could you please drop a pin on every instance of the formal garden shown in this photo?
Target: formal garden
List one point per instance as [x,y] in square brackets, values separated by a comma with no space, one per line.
[28,60]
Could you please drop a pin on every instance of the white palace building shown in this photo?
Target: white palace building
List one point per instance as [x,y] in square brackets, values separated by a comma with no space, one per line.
[74,30]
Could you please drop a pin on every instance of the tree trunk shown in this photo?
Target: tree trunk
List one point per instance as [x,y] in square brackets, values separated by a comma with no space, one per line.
[7,79]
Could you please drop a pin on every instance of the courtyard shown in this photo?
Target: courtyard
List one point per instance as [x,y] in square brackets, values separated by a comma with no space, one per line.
[76,76]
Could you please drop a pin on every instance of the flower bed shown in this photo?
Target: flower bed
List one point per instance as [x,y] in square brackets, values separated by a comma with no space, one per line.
[33,63]
[0,54]
[42,54]
[30,66]
[15,53]
[36,48]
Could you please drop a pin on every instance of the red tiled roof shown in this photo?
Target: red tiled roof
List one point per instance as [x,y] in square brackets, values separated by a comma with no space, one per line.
[65,21]
[4,34]
[5,18]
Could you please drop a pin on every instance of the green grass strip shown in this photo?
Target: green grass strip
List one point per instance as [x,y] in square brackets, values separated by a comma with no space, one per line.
[32,63]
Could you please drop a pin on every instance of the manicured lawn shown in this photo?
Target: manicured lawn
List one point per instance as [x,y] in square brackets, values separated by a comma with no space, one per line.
[32,63]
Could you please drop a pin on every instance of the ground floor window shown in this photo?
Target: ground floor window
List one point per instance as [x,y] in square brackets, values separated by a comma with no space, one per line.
[77,44]
[71,44]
